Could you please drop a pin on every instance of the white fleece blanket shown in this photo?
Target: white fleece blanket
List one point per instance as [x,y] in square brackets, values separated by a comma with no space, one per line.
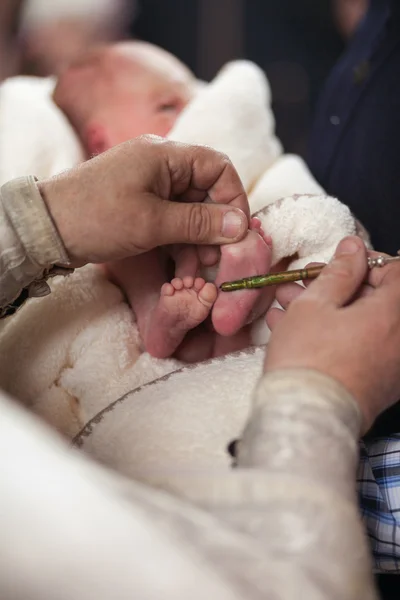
[71,354]
[35,137]
[174,432]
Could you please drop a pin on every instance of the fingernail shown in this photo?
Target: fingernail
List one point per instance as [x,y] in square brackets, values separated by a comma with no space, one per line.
[232,224]
[347,246]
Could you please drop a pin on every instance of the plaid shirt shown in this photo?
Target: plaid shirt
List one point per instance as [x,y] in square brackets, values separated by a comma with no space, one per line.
[378,480]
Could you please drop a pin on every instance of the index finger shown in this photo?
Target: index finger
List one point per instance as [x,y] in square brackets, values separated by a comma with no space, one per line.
[212,176]
[340,280]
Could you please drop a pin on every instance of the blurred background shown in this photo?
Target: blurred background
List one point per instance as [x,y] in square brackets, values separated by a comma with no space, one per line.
[295,41]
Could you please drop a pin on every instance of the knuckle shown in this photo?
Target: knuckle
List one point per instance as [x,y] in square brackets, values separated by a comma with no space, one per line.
[149,139]
[225,158]
[225,161]
[390,274]
[216,154]
[199,223]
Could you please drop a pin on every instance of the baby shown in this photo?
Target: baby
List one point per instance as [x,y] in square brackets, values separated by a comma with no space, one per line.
[119,92]
[173,317]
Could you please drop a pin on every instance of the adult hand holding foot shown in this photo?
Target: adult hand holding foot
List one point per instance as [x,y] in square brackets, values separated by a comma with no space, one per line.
[343,328]
[125,202]
[284,520]
[139,195]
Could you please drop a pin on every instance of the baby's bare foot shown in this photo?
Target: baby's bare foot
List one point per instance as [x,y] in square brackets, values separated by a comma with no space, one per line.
[183,305]
[251,256]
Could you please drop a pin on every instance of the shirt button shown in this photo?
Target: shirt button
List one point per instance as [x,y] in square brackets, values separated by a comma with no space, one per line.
[361,72]
[335,120]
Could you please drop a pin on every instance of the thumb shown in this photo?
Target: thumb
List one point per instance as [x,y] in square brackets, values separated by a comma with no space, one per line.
[199,223]
[342,277]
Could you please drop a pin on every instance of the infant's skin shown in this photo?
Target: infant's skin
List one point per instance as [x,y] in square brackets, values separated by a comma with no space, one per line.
[116,93]
[167,312]
[120,91]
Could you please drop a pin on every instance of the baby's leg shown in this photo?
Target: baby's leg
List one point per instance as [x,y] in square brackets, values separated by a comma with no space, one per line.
[251,256]
[184,304]
[225,345]
[163,317]
[202,344]
[140,278]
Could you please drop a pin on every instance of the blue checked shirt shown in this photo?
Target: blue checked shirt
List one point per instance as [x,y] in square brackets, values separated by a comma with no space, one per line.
[378,480]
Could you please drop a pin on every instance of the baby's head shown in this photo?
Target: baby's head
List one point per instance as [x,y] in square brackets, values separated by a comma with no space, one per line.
[120,91]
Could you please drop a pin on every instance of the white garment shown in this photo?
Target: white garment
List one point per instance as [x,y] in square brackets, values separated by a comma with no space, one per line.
[35,136]
[283,525]
[72,353]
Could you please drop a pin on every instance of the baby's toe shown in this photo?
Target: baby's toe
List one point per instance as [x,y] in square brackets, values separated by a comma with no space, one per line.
[198,284]
[188,282]
[208,294]
[167,289]
[177,283]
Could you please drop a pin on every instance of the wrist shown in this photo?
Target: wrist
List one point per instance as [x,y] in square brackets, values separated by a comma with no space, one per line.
[306,383]
[298,414]
[57,205]
[328,384]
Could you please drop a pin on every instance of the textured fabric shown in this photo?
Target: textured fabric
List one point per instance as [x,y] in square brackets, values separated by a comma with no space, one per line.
[90,352]
[35,136]
[233,115]
[281,525]
[379,492]
[29,242]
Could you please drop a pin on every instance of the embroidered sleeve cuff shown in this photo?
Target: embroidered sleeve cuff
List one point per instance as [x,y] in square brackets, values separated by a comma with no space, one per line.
[308,411]
[30,244]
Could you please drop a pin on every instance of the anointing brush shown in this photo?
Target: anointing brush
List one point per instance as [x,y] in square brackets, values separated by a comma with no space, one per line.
[259,281]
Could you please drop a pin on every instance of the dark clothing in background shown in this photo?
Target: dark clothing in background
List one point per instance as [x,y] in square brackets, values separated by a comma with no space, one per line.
[355,142]
[171,24]
[284,37]
[297,44]
[354,151]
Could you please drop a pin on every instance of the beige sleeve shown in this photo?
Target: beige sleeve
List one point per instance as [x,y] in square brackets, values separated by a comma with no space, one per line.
[29,242]
[292,495]
[284,524]
[302,441]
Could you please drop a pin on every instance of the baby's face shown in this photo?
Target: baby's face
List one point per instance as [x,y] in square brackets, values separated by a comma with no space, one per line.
[148,100]
[152,108]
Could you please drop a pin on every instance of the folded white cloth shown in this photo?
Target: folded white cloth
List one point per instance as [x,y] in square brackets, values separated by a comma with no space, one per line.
[72,353]
[174,433]
[233,116]
[35,136]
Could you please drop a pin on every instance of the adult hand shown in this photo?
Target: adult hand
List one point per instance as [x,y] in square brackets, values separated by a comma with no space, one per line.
[342,328]
[146,193]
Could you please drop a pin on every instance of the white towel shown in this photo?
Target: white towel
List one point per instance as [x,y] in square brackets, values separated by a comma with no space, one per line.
[35,136]
[233,115]
[174,432]
[70,354]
